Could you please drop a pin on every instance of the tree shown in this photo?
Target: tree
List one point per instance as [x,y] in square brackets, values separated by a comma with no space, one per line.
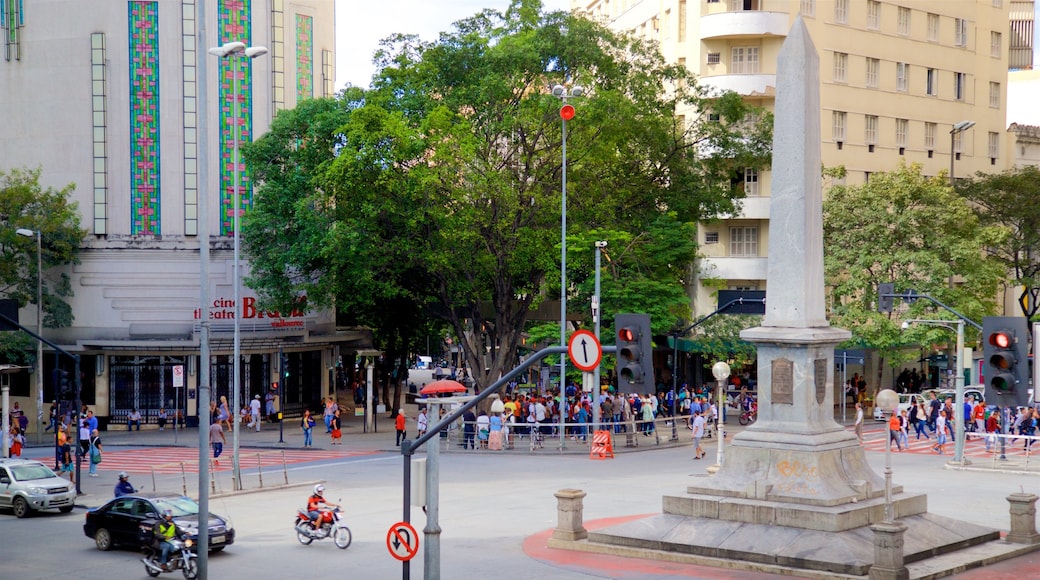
[443,189]
[914,231]
[25,204]
[1008,199]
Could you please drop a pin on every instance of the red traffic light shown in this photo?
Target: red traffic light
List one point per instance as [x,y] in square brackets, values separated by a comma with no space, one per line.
[626,334]
[567,112]
[1000,339]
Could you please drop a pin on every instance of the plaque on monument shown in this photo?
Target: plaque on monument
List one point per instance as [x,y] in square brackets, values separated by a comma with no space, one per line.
[820,377]
[783,382]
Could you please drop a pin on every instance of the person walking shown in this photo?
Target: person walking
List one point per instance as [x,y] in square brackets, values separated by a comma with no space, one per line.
[337,426]
[307,424]
[894,432]
[941,431]
[217,440]
[224,413]
[328,412]
[94,444]
[401,426]
[698,433]
[254,413]
[422,422]
[858,425]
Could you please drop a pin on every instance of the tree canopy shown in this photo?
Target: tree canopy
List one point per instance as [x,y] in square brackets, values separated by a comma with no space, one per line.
[439,190]
[25,204]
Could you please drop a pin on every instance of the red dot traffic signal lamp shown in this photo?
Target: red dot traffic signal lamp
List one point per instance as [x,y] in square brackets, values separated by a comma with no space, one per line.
[1005,349]
[635,365]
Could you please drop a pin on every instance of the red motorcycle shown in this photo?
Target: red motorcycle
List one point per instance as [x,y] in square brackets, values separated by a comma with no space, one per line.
[330,524]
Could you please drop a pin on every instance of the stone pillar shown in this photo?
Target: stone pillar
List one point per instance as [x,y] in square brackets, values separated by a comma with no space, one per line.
[569,508]
[1023,519]
[888,552]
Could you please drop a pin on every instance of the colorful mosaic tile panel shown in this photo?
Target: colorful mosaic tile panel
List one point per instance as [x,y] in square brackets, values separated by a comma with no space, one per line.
[144,118]
[234,24]
[304,57]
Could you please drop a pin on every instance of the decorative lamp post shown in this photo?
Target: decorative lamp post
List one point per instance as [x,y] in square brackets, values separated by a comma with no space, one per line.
[721,373]
[888,401]
[39,326]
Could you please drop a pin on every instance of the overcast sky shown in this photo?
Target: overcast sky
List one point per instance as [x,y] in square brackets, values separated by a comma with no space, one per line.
[361,24]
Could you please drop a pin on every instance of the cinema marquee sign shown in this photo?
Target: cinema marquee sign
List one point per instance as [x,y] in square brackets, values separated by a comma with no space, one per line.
[224,309]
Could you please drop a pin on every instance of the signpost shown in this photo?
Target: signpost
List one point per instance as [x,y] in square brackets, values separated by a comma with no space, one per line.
[178,383]
[584,350]
[402,541]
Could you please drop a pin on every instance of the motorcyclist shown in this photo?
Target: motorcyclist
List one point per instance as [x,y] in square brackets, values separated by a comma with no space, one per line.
[124,487]
[165,531]
[314,504]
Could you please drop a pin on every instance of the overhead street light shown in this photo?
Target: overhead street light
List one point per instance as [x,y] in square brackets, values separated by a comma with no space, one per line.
[39,326]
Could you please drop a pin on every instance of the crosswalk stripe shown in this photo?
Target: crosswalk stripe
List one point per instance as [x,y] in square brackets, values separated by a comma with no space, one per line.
[171,460]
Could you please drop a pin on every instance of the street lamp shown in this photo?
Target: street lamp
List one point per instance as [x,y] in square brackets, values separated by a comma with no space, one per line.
[958,383]
[39,325]
[888,400]
[566,114]
[721,373]
[229,50]
[957,129]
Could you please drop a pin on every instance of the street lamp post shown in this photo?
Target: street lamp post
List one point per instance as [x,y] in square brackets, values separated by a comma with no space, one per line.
[39,326]
[597,315]
[566,114]
[721,373]
[958,383]
[229,50]
[888,400]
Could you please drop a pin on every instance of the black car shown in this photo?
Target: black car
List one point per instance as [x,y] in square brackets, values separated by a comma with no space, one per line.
[128,521]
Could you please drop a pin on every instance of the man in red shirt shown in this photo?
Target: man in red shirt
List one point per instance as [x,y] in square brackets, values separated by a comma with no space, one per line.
[400,426]
[894,427]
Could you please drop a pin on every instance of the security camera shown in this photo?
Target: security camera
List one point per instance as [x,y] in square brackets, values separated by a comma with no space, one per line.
[602,244]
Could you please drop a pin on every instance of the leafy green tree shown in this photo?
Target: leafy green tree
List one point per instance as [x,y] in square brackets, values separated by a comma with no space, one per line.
[914,231]
[442,189]
[25,204]
[1008,199]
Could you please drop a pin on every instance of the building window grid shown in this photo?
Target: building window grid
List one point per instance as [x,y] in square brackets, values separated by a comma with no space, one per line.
[994,145]
[995,42]
[960,29]
[902,76]
[99,116]
[838,123]
[870,129]
[841,67]
[714,57]
[189,88]
[277,56]
[743,241]
[902,132]
[711,237]
[933,27]
[682,21]
[841,11]
[808,7]
[932,82]
[994,95]
[751,182]
[959,86]
[873,72]
[745,60]
[12,20]
[904,21]
[873,14]
[930,130]
[327,74]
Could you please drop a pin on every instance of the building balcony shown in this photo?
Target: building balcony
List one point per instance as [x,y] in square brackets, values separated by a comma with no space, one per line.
[734,268]
[744,24]
[754,208]
[745,85]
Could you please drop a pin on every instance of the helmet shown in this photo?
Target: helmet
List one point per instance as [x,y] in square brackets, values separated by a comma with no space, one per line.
[319,489]
[167,513]
[123,475]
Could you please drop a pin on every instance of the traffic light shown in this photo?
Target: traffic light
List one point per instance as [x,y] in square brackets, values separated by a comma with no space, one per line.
[1005,348]
[635,364]
[64,385]
[884,301]
[284,362]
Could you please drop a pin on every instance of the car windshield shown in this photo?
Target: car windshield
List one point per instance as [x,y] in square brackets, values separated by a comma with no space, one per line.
[180,506]
[31,472]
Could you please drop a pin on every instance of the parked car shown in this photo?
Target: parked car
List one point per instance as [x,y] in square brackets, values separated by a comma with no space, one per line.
[27,486]
[128,521]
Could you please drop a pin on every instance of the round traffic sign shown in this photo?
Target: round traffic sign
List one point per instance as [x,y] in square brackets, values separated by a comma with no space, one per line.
[402,541]
[567,112]
[585,350]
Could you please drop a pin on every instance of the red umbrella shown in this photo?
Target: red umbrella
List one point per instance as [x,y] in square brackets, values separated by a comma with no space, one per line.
[443,387]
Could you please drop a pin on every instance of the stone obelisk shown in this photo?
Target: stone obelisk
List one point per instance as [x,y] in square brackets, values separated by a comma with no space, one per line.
[795,452]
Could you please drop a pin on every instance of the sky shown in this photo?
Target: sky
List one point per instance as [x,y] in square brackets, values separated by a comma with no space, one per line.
[361,24]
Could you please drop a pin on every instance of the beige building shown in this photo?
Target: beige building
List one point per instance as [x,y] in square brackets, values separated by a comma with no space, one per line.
[105,95]
[895,78]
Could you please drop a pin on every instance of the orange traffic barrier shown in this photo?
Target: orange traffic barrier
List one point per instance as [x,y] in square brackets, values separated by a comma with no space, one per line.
[602,445]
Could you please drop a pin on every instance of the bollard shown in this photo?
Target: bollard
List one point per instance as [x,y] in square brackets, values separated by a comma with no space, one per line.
[153,478]
[569,516]
[1023,519]
[285,470]
[184,480]
[888,552]
[259,471]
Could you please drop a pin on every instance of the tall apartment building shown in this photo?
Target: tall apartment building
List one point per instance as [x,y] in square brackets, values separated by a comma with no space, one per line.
[105,95]
[895,78]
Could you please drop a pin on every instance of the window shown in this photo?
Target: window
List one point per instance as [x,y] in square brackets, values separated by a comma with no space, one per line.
[711,237]
[841,11]
[994,44]
[998,3]
[841,66]
[742,5]
[904,21]
[838,125]
[808,7]
[960,32]
[751,182]
[902,76]
[933,27]
[959,85]
[714,57]
[873,68]
[745,60]
[870,132]
[873,14]
[929,135]
[902,131]
[682,20]
[932,83]
[994,145]
[994,95]
[743,241]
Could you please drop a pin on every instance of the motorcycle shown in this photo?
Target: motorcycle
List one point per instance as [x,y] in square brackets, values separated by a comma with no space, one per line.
[181,558]
[749,415]
[330,525]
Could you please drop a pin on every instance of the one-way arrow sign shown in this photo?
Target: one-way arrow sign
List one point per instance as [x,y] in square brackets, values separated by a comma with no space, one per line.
[585,350]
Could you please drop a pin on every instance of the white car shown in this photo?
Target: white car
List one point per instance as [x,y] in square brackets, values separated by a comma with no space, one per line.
[27,486]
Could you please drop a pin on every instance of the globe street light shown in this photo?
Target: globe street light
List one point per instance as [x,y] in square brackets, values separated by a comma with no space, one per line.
[229,50]
[39,327]
[566,114]
[888,400]
[721,373]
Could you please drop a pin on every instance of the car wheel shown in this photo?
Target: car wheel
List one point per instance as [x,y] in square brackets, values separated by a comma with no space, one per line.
[21,508]
[103,539]
[66,509]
